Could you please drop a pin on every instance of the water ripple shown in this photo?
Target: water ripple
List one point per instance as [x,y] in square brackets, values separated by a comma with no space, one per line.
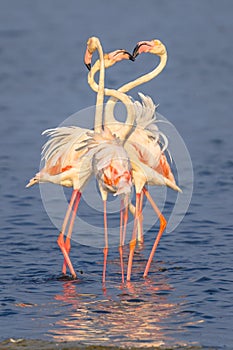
[186,301]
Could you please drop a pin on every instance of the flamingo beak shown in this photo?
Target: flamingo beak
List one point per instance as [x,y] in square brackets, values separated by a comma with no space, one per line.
[131,57]
[87,59]
[32,182]
[137,48]
[119,55]
[88,65]
[135,51]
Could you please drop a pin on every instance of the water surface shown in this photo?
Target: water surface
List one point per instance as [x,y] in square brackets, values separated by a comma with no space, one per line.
[187,298]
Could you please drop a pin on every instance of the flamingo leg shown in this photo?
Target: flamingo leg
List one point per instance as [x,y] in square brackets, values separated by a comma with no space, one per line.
[60,240]
[132,243]
[126,216]
[140,219]
[163,224]
[68,237]
[68,212]
[121,240]
[105,250]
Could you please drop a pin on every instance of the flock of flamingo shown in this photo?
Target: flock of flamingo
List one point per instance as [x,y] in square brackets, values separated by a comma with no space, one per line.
[120,155]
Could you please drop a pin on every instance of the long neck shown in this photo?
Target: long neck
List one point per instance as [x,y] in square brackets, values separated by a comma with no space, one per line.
[110,105]
[109,122]
[147,77]
[100,91]
[126,127]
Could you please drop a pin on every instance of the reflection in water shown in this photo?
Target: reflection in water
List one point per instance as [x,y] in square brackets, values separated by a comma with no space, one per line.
[137,313]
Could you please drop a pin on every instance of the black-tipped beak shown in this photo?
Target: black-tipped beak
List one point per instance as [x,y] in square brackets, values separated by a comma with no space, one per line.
[131,58]
[88,65]
[135,51]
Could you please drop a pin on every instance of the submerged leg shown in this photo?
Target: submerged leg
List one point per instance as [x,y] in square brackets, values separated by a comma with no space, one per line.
[132,243]
[105,250]
[163,224]
[70,230]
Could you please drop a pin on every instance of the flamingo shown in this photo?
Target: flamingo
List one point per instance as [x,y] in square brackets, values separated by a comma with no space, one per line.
[67,165]
[147,159]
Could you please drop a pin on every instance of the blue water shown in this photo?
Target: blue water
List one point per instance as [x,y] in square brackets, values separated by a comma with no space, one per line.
[187,298]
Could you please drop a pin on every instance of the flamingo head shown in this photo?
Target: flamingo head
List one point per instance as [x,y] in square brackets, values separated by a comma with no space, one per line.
[92,44]
[34,180]
[154,46]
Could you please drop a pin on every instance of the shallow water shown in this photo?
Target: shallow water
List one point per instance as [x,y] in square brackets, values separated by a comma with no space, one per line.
[187,298]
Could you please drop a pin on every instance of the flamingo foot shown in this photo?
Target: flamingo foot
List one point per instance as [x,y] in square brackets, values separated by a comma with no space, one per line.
[66,278]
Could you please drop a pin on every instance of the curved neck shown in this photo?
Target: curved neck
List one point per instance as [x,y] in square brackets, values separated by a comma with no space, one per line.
[110,121]
[110,105]
[147,77]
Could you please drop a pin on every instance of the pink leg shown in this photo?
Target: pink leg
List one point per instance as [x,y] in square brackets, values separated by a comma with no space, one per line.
[132,243]
[140,228]
[163,224]
[121,221]
[67,243]
[61,243]
[126,216]
[121,240]
[60,240]
[68,212]
[106,242]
